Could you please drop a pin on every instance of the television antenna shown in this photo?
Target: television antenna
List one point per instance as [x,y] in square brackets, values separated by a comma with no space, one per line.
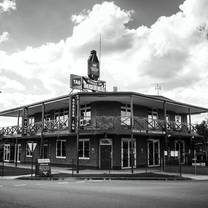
[158,88]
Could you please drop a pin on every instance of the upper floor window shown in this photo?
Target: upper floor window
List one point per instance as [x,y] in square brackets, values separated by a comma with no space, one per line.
[152,119]
[61,118]
[31,120]
[126,114]
[178,121]
[47,117]
[168,121]
[85,111]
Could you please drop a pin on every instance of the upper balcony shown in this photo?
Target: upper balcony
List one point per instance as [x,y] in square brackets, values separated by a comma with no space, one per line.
[109,104]
[102,123]
[140,125]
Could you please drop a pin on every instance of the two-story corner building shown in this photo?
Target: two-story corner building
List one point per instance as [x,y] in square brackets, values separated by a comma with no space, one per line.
[102,130]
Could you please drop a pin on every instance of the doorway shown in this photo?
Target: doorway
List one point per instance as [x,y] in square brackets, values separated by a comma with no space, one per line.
[45,151]
[105,154]
[126,153]
[153,152]
[18,154]
[180,148]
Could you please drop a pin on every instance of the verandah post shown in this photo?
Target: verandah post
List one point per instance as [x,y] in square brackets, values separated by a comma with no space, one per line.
[189,113]
[16,141]
[132,136]
[166,136]
[42,129]
[77,129]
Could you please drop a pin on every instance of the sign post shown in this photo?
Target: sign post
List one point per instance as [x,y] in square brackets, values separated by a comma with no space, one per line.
[32,147]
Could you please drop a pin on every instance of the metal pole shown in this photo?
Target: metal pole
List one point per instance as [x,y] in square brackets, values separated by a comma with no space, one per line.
[16,143]
[132,138]
[3,159]
[32,161]
[42,129]
[70,114]
[16,153]
[189,112]
[195,162]
[166,136]
[77,129]
[179,161]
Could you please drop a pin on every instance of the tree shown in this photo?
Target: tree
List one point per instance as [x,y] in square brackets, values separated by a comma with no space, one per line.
[202,143]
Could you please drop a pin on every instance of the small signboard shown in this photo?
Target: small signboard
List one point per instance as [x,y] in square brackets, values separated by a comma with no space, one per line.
[75,82]
[43,167]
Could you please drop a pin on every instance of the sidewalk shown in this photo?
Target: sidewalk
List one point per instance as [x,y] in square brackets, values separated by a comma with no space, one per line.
[89,172]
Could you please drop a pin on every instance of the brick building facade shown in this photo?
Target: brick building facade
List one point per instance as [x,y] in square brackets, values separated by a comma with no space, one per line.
[102,130]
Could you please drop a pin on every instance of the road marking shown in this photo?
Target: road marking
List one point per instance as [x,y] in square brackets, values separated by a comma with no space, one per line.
[62,182]
[95,181]
[18,185]
[38,184]
[81,181]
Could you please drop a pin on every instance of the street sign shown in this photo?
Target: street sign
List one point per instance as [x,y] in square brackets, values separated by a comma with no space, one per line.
[32,146]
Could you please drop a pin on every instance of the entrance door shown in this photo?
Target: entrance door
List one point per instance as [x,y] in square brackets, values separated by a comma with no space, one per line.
[126,153]
[153,152]
[18,152]
[7,152]
[45,151]
[180,148]
[105,154]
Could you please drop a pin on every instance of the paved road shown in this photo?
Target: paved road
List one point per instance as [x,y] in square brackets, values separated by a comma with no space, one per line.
[82,194]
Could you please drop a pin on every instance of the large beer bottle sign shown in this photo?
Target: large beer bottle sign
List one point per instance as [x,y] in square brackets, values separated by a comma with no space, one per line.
[93,66]
[91,82]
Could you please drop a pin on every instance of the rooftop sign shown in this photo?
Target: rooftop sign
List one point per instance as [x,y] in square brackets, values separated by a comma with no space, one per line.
[85,83]
[91,82]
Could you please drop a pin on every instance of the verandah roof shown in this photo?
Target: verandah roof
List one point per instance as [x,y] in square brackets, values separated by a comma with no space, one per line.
[150,101]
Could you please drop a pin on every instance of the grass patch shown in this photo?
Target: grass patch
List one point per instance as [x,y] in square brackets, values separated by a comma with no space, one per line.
[13,171]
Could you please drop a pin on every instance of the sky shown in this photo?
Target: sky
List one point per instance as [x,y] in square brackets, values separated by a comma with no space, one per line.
[146,42]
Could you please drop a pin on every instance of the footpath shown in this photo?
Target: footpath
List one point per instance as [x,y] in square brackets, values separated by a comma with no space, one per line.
[61,173]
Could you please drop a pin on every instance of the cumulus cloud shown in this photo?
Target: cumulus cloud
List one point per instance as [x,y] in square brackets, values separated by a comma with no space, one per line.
[4,37]
[173,52]
[7,5]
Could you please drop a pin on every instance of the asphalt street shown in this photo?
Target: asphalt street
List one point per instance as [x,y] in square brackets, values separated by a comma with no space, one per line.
[82,194]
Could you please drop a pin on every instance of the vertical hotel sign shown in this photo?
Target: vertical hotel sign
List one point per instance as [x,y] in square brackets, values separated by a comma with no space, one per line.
[24,121]
[73,114]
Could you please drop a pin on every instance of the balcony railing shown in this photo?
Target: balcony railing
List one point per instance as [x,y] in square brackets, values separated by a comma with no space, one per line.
[103,123]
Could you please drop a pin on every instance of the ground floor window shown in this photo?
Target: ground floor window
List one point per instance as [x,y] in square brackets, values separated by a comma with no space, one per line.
[61,148]
[84,148]
[6,152]
[28,151]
